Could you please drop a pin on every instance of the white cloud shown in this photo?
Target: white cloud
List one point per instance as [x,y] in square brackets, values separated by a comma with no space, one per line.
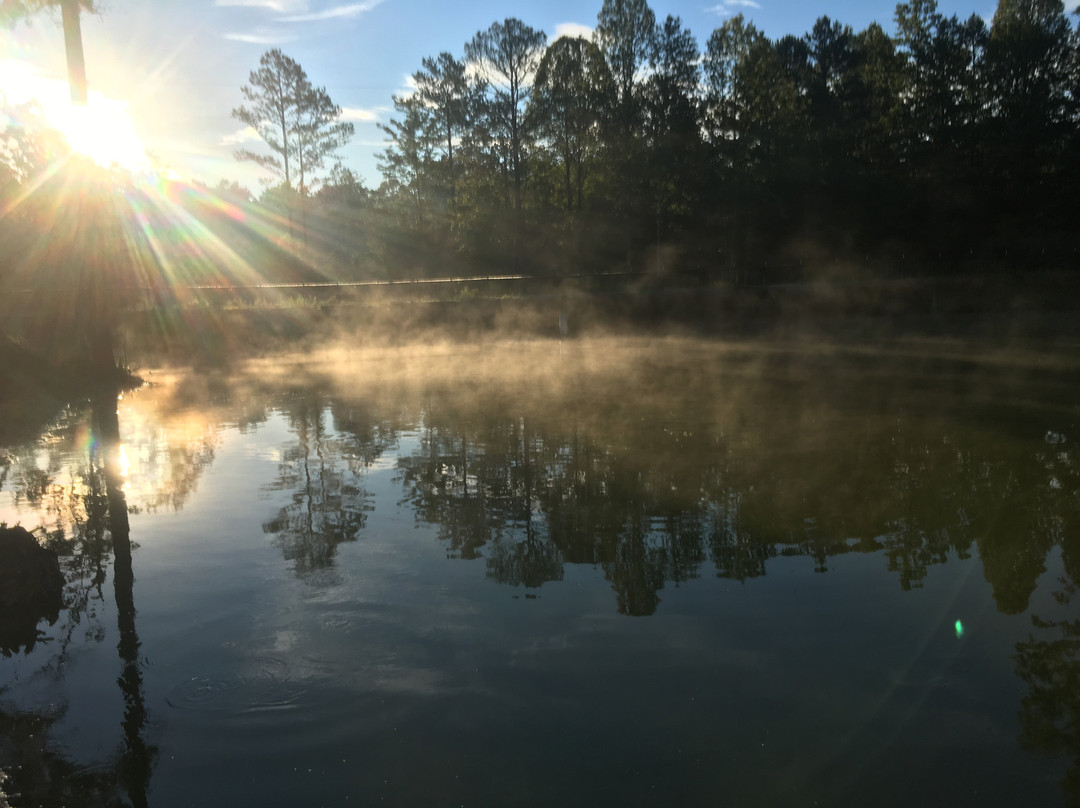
[280,6]
[334,12]
[725,8]
[358,114]
[260,38]
[572,29]
[486,70]
[473,70]
[245,135]
[410,86]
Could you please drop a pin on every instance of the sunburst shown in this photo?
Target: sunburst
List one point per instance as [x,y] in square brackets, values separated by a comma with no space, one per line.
[101,130]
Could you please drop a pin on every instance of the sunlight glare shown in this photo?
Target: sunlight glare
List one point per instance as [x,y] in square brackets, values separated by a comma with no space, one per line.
[102,130]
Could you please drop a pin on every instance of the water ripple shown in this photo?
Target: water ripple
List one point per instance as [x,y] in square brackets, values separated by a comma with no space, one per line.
[267,685]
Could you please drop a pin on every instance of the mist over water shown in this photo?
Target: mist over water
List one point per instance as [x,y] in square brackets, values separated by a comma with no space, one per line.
[605,570]
[677,421]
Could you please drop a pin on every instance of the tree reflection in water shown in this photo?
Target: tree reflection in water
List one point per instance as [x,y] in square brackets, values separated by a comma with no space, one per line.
[137,757]
[37,776]
[1049,663]
[88,519]
[533,486]
[61,478]
[652,491]
[1049,660]
[324,471]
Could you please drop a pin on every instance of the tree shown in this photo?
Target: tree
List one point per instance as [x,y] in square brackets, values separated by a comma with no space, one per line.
[879,84]
[443,89]
[319,132]
[507,54]
[342,226]
[773,128]
[832,71]
[625,33]
[572,97]
[343,188]
[232,190]
[944,62]
[725,100]
[297,121]
[271,89]
[775,113]
[625,30]
[406,161]
[942,138]
[1029,57]
[11,11]
[1031,138]
[726,122]
[1074,92]
[672,87]
[671,119]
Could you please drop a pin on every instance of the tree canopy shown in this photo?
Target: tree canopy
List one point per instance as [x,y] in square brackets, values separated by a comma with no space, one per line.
[943,143]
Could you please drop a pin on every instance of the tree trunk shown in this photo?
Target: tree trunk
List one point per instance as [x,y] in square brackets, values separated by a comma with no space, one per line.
[73,45]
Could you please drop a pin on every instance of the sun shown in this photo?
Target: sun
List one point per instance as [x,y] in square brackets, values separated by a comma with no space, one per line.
[101,130]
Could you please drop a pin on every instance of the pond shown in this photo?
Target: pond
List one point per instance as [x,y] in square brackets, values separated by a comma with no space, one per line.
[596,572]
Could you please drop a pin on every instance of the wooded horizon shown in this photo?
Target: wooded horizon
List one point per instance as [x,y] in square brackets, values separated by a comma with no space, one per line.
[951,142]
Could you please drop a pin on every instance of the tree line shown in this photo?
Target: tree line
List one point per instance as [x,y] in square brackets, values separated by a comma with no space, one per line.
[950,142]
[949,145]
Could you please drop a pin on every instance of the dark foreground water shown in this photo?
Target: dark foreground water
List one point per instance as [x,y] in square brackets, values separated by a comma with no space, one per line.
[592,573]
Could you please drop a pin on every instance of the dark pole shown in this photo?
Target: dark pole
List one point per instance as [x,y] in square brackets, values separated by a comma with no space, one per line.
[73,45]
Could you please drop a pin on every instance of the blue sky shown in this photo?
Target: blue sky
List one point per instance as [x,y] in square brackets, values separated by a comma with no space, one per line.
[179,64]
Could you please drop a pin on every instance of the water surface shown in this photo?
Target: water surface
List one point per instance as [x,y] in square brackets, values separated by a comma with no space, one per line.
[582,573]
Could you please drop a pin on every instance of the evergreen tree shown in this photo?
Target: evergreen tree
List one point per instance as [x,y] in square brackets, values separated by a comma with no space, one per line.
[671,123]
[572,98]
[507,54]
[407,160]
[625,32]
[297,121]
[444,91]
[725,99]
